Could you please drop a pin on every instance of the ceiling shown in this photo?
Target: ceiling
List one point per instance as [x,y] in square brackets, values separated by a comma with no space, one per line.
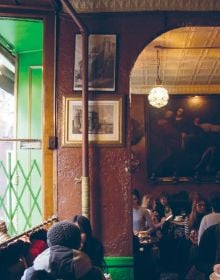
[97,6]
[189,62]
[189,56]
[20,35]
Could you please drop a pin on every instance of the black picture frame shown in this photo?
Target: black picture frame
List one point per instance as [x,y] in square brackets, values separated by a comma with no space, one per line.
[101,62]
[188,149]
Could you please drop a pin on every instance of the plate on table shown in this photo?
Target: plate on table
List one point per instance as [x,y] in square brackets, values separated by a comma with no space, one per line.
[178,218]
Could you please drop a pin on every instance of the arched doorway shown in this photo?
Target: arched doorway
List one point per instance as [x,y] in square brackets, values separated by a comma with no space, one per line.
[188,67]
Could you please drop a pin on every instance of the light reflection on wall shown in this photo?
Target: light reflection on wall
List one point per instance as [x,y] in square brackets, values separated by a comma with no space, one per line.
[196,102]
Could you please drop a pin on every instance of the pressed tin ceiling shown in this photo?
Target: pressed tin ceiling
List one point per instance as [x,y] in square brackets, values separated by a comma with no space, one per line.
[88,6]
[189,62]
[96,6]
[189,56]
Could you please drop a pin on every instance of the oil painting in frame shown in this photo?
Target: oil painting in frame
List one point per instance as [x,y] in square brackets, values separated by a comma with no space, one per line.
[184,138]
[105,120]
[101,62]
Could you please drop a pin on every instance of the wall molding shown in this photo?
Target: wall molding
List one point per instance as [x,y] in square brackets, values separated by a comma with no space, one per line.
[94,6]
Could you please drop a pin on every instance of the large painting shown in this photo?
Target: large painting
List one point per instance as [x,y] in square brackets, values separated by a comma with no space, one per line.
[184,138]
[101,62]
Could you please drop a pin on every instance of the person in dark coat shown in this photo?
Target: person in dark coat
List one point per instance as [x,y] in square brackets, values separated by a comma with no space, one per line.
[63,260]
[209,250]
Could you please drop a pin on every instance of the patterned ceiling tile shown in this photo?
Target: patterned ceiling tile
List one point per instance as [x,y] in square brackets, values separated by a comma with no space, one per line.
[189,59]
[91,6]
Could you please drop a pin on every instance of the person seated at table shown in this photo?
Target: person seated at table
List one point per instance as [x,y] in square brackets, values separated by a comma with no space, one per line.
[211,218]
[89,244]
[216,268]
[142,220]
[150,204]
[192,223]
[209,251]
[163,206]
[63,259]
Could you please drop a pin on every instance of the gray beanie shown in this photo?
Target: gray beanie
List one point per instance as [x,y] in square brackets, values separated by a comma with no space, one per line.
[64,234]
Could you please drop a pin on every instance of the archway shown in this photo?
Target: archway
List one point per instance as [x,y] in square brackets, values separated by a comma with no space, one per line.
[189,67]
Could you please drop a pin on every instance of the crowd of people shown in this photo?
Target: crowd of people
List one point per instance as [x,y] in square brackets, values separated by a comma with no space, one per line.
[67,250]
[189,247]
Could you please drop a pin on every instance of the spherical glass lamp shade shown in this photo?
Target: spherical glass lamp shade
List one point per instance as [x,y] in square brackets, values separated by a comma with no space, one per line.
[158,97]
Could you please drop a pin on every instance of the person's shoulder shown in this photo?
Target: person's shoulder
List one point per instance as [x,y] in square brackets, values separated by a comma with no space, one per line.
[207,217]
[82,263]
[210,231]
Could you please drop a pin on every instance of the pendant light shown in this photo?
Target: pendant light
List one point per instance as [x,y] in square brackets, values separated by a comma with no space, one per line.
[158,96]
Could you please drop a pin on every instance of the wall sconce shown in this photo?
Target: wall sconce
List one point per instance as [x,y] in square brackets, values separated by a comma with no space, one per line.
[132,164]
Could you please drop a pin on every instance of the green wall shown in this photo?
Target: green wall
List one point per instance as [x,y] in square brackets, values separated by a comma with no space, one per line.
[120,267]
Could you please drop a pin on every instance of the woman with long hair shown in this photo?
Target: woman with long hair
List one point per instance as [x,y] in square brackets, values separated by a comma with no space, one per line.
[199,210]
[89,244]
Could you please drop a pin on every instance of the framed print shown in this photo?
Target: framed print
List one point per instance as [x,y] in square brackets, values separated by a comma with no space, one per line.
[101,62]
[105,121]
[184,138]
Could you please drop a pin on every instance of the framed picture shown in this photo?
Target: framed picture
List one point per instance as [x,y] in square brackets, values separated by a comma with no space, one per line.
[105,120]
[101,62]
[184,138]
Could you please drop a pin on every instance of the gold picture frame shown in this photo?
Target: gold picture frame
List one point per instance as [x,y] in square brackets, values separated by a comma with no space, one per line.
[105,120]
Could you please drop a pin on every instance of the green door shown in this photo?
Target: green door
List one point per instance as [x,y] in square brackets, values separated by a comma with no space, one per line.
[21,122]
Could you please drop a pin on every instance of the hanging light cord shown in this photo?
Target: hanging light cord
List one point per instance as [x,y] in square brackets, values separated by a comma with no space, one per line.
[158,80]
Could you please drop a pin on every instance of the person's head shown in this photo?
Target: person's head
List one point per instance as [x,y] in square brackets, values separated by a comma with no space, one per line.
[64,234]
[84,225]
[200,206]
[199,209]
[215,202]
[179,112]
[196,121]
[136,198]
[164,199]
[148,201]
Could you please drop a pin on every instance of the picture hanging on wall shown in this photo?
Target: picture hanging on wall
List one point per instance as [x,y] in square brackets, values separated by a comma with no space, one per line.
[101,62]
[105,120]
[184,138]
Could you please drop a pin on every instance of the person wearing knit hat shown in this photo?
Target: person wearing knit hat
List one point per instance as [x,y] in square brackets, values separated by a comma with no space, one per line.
[64,234]
[62,260]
